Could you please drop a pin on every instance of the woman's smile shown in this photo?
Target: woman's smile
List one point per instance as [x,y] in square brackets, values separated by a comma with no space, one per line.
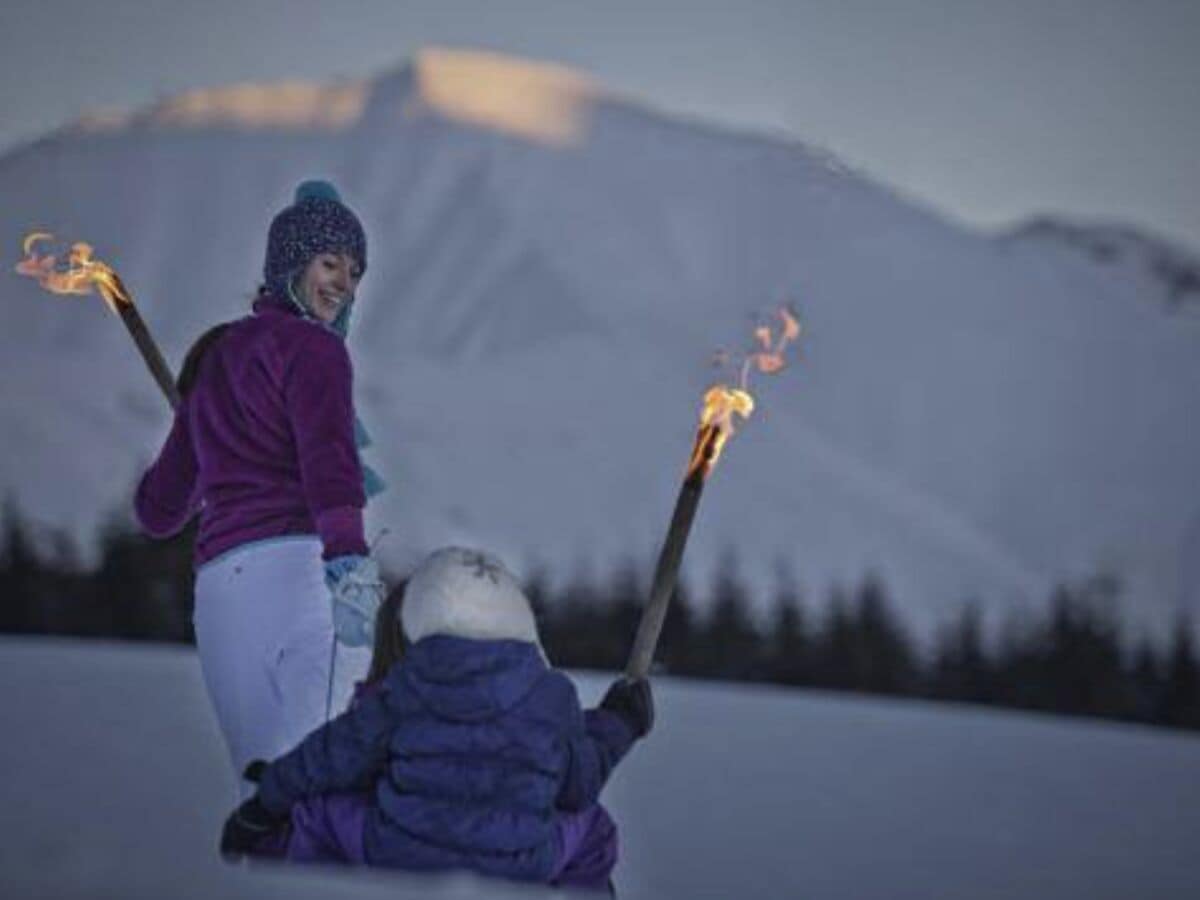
[328,284]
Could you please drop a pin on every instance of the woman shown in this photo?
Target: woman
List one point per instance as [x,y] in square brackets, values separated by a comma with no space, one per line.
[263,447]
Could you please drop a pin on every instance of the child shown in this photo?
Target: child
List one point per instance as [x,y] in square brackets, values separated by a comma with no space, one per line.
[472,753]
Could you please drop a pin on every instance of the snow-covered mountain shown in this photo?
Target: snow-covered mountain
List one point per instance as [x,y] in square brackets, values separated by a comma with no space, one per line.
[551,267]
[115,783]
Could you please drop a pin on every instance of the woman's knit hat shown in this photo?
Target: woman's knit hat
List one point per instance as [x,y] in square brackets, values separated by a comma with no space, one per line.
[317,222]
[469,594]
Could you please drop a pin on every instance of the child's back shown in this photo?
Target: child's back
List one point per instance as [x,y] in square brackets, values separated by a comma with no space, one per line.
[487,742]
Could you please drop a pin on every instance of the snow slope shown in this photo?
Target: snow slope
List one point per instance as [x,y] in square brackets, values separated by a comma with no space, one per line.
[550,269]
[112,777]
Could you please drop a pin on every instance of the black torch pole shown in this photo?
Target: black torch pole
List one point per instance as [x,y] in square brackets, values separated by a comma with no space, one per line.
[138,330]
[667,571]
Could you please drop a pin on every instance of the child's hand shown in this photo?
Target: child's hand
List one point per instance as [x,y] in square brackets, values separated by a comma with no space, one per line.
[247,827]
[357,592]
[254,770]
[633,702]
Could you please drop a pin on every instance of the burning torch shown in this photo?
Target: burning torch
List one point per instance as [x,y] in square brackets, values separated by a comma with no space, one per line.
[721,404]
[83,275]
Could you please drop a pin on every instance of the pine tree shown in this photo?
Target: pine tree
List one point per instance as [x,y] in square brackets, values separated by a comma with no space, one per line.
[681,648]
[883,659]
[142,589]
[545,611]
[1081,663]
[788,651]
[20,576]
[835,655]
[582,632]
[733,643]
[1147,683]
[961,669]
[626,599]
[1181,692]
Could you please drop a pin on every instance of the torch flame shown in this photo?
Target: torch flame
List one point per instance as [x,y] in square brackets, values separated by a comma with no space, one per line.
[82,275]
[769,358]
[722,403]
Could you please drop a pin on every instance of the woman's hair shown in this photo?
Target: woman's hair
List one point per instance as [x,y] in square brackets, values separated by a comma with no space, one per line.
[389,636]
[190,370]
[191,362]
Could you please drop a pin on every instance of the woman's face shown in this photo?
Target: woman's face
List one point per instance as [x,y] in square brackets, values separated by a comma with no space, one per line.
[327,284]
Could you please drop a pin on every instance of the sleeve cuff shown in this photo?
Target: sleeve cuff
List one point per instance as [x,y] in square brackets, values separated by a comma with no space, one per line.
[155,519]
[341,532]
[271,797]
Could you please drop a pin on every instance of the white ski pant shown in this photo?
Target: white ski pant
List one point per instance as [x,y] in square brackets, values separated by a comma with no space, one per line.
[264,631]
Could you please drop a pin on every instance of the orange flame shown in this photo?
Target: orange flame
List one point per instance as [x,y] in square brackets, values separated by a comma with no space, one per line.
[722,403]
[769,359]
[82,275]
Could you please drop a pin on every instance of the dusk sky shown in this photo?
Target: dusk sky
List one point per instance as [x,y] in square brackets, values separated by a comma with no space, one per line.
[988,111]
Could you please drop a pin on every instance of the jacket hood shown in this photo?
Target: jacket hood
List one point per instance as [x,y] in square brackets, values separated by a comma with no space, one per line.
[471,680]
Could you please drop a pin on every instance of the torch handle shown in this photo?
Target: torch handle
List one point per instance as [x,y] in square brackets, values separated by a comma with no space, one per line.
[150,353]
[665,575]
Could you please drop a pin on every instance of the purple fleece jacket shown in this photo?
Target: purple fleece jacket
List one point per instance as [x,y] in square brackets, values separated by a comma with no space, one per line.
[263,445]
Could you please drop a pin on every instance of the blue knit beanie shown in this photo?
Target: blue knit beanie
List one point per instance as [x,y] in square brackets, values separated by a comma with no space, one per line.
[316,222]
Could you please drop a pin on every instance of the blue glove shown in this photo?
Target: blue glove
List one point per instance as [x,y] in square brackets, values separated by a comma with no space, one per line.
[356,591]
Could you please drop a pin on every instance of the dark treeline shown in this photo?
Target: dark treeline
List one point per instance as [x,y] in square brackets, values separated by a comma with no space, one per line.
[1070,659]
[139,589]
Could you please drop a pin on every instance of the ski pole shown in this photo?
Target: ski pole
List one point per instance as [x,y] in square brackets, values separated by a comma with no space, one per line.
[332,667]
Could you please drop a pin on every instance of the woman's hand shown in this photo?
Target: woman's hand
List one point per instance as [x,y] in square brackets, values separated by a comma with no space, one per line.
[356,591]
